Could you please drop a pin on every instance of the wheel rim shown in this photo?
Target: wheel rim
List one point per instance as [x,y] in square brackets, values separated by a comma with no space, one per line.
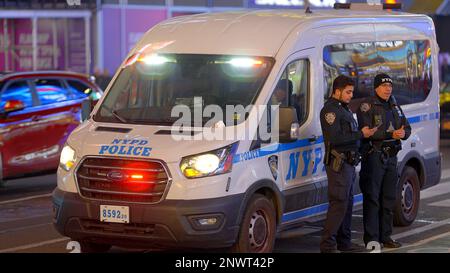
[407,197]
[258,230]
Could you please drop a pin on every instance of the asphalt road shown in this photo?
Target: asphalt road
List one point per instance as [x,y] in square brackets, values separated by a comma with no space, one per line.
[26,220]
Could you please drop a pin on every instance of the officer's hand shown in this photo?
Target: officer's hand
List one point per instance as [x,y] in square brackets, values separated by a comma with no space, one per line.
[368,132]
[399,133]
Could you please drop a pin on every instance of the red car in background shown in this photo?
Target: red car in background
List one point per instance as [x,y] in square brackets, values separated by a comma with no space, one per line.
[38,111]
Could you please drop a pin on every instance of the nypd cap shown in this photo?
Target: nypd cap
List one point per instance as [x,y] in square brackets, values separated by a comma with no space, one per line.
[380,79]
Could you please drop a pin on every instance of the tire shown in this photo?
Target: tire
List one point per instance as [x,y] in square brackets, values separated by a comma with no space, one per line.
[258,227]
[89,247]
[408,198]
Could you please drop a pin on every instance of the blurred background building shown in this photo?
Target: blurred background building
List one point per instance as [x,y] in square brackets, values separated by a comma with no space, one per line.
[93,36]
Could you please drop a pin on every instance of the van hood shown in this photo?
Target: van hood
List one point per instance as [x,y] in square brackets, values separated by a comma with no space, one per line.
[138,141]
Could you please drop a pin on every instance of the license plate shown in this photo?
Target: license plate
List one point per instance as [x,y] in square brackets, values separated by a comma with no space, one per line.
[446,125]
[114,214]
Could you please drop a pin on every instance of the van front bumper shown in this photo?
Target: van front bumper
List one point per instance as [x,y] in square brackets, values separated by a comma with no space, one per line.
[170,223]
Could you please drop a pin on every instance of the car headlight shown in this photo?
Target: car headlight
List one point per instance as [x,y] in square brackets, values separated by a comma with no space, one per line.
[67,159]
[210,163]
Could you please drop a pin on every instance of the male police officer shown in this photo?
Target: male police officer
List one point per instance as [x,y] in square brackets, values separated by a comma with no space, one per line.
[342,139]
[378,176]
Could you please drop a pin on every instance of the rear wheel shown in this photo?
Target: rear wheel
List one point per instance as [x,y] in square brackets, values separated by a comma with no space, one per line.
[258,228]
[408,198]
[89,247]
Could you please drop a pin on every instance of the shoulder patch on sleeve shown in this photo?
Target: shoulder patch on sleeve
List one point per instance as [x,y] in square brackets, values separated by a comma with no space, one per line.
[330,117]
[364,107]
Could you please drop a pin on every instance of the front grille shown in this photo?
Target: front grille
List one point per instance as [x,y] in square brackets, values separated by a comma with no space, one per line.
[140,181]
[132,229]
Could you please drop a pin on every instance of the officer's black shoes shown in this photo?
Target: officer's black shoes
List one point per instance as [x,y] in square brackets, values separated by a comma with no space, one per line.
[352,248]
[329,251]
[391,244]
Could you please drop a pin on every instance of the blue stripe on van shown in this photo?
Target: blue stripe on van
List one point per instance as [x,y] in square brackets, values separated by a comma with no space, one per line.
[424,117]
[277,148]
[414,120]
[312,211]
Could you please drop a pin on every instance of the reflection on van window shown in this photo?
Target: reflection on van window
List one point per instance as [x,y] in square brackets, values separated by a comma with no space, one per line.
[146,91]
[407,62]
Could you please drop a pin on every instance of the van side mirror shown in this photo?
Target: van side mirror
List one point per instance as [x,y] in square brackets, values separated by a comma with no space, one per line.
[13,106]
[288,124]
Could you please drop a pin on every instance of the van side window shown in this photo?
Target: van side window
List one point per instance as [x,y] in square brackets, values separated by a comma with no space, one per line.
[407,62]
[292,89]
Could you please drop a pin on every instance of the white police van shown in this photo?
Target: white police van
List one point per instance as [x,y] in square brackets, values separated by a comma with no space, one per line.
[127,178]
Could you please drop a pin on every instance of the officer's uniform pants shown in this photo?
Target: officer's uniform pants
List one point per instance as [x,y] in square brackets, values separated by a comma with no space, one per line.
[337,228]
[378,183]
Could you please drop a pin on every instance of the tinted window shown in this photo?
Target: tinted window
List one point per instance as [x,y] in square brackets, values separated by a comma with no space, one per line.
[292,88]
[81,90]
[51,91]
[18,90]
[407,62]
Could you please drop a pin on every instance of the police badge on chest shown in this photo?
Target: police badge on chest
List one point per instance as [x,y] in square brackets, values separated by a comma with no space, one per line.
[377,120]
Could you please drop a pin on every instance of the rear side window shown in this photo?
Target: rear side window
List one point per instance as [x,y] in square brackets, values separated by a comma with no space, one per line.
[51,91]
[407,62]
[19,90]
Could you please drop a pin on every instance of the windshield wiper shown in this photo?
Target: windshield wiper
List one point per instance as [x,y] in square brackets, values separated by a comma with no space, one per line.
[114,113]
[117,116]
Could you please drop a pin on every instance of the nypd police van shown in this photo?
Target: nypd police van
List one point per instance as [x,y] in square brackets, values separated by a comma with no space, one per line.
[166,160]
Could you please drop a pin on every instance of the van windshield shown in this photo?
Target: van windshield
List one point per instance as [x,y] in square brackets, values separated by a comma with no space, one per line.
[148,88]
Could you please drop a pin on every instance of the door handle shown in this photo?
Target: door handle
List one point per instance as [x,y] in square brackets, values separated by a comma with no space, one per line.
[313,138]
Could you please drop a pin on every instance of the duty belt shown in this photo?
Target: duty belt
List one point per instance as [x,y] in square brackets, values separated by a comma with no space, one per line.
[351,157]
[389,151]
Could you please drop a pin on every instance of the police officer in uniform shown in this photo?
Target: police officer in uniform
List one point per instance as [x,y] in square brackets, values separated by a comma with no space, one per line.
[378,176]
[342,140]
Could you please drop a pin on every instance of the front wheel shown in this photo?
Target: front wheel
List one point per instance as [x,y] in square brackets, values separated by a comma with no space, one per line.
[258,228]
[408,198]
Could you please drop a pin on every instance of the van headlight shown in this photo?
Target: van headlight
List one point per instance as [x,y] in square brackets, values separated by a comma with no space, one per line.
[67,159]
[210,163]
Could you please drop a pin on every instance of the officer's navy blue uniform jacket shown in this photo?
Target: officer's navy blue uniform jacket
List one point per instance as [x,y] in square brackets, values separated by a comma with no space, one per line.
[372,112]
[339,127]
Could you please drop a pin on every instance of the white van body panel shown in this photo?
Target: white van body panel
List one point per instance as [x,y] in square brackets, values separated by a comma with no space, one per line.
[260,33]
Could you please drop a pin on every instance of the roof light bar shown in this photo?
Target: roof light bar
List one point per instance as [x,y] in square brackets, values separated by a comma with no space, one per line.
[244,62]
[361,6]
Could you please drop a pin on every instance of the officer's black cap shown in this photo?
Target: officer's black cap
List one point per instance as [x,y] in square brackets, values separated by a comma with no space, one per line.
[380,79]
